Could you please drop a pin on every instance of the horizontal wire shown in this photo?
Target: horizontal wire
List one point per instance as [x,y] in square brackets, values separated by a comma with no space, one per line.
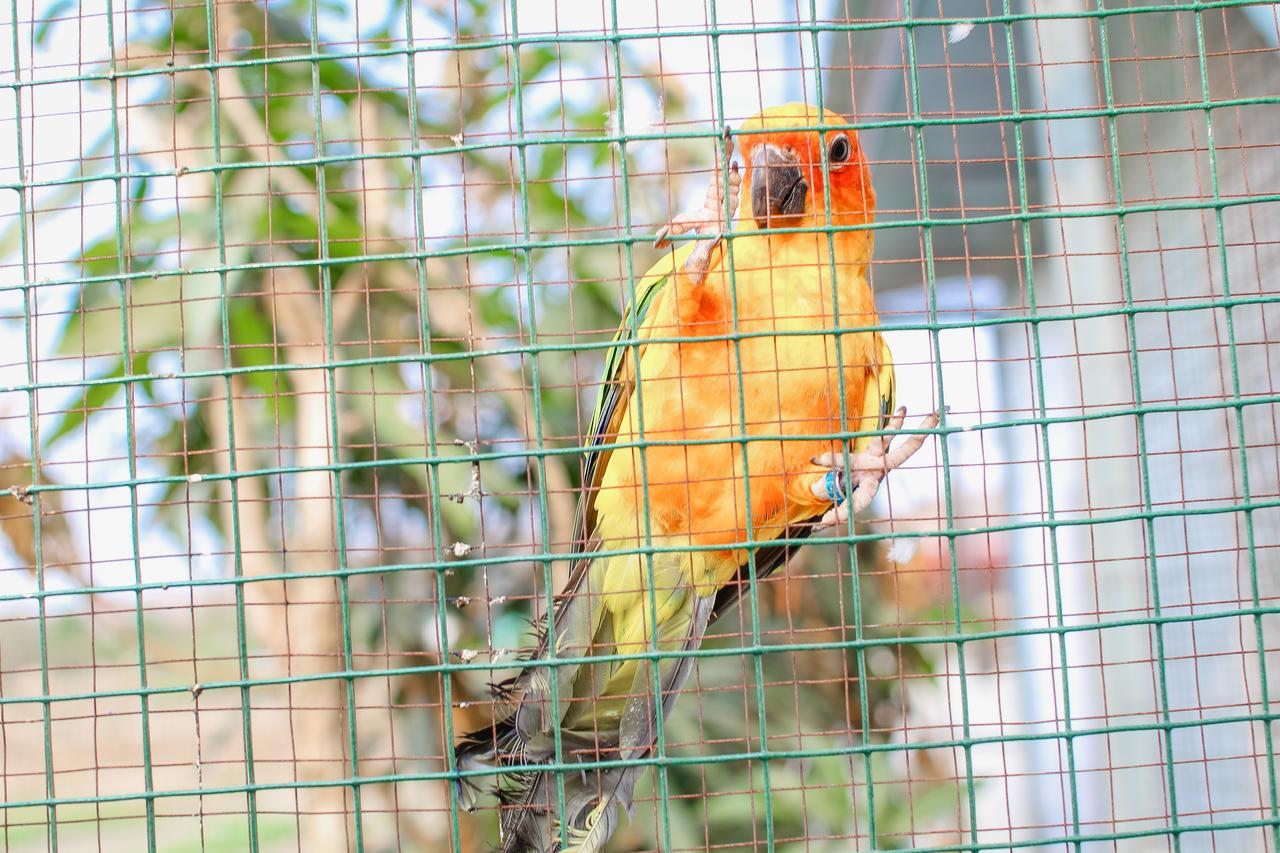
[529,245]
[724,758]
[760,650]
[482,43]
[1013,117]
[540,452]
[1122,310]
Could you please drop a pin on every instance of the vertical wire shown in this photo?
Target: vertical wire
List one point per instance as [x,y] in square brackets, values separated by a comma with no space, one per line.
[131,444]
[757,650]
[30,306]
[660,769]
[535,382]
[1148,521]
[913,104]
[424,329]
[335,438]
[1245,493]
[233,481]
[855,580]
[1033,321]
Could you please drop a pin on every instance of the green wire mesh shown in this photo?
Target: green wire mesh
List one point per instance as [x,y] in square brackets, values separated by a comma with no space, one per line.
[305,306]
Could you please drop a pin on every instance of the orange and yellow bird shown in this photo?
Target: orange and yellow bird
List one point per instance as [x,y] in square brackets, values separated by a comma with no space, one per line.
[719,425]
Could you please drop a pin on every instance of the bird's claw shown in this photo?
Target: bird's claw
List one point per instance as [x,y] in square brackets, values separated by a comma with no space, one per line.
[866,469]
[709,220]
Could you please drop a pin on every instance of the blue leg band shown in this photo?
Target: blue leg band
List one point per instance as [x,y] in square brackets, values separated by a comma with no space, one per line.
[833,488]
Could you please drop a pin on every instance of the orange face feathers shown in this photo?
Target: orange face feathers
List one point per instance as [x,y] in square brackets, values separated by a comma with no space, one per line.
[784,185]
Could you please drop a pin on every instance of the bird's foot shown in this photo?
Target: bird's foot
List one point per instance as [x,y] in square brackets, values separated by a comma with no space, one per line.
[709,220]
[866,469]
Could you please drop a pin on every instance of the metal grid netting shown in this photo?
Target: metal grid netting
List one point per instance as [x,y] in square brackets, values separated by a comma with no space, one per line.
[306,312]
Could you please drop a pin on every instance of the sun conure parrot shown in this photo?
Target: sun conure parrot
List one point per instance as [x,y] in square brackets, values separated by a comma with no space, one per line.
[694,392]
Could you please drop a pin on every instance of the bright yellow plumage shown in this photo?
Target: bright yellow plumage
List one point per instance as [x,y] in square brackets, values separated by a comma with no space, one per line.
[781,377]
[725,356]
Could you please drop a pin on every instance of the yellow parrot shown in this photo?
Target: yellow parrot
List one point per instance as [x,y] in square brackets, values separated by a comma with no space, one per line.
[666,469]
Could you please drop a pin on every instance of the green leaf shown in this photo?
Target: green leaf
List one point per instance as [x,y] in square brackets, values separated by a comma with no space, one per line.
[164,312]
[49,15]
[253,345]
[94,398]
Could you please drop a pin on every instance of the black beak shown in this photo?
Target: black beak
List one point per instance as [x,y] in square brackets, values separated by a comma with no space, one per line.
[778,187]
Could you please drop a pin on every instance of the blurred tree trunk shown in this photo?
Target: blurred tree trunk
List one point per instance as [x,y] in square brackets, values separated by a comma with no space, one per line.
[265,307]
[296,623]
[311,612]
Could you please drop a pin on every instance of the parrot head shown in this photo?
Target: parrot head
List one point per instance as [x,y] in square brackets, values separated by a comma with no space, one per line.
[784,179]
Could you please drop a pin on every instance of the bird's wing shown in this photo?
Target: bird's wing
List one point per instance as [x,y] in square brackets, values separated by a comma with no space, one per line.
[575,616]
[617,383]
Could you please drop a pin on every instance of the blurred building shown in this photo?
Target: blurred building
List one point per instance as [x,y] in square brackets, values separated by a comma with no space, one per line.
[1117,191]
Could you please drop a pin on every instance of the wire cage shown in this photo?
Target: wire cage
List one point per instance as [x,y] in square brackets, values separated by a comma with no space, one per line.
[304,307]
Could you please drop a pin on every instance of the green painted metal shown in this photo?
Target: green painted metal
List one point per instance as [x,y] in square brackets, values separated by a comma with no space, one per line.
[242,631]
[521,249]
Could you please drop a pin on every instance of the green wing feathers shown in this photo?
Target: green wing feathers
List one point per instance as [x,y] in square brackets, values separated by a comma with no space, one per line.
[604,710]
[617,381]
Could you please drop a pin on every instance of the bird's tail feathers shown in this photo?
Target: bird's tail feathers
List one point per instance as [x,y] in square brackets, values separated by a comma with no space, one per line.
[531,817]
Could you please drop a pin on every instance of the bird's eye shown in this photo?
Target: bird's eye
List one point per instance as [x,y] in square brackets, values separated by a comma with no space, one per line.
[839,150]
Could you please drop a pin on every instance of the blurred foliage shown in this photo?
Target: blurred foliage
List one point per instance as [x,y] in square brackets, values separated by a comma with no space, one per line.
[265,233]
